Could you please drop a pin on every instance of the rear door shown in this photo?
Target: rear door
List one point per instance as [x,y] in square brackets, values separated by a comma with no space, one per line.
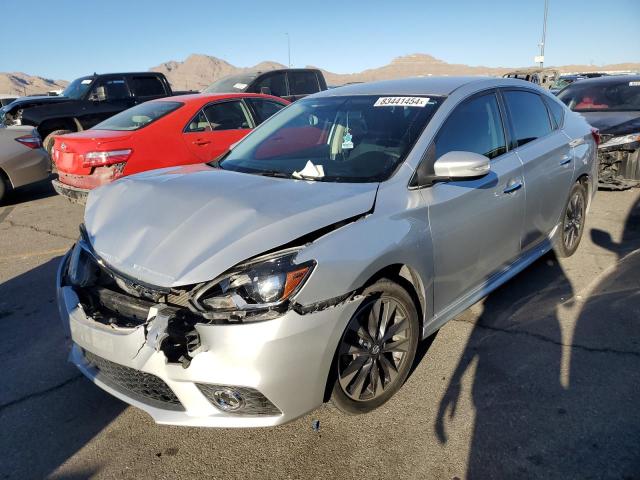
[263,108]
[547,162]
[302,83]
[216,127]
[476,225]
[146,87]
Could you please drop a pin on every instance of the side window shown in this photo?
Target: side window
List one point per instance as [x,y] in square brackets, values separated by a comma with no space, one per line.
[474,126]
[227,116]
[557,112]
[303,83]
[529,116]
[146,86]
[109,89]
[199,123]
[264,108]
[276,83]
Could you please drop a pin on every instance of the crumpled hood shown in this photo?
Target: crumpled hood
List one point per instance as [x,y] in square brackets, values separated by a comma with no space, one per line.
[614,123]
[180,226]
[24,102]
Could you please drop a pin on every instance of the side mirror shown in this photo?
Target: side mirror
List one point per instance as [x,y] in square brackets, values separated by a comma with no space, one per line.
[461,165]
[265,90]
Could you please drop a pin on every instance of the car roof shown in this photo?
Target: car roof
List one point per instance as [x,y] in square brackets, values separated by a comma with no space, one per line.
[609,80]
[437,86]
[207,97]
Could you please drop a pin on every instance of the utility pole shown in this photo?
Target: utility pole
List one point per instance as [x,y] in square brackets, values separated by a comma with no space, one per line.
[288,48]
[540,59]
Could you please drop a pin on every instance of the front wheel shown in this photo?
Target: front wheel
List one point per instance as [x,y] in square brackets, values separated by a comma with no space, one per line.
[377,349]
[572,222]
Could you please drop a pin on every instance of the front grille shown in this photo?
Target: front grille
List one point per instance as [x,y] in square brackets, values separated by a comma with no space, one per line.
[255,403]
[142,386]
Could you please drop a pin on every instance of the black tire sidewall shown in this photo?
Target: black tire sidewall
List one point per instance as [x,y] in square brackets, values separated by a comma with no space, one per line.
[561,248]
[4,188]
[384,288]
[48,141]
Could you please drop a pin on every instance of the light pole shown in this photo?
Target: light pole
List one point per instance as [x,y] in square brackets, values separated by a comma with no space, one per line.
[544,33]
[288,48]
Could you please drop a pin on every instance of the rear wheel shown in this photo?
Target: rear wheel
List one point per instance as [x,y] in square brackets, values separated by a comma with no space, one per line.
[572,223]
[377,349]
[48,141]
[4,187]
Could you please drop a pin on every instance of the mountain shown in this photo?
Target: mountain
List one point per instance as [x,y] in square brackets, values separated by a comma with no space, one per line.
[18,83]
[200,71]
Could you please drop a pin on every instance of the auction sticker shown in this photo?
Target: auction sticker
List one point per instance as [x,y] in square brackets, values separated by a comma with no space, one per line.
[634,84]
[401,102]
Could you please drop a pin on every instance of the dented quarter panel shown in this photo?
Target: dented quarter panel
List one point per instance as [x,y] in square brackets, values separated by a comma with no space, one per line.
[187,225]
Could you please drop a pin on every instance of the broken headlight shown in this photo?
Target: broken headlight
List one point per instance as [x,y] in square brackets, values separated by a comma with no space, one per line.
[255,290]
[82,270]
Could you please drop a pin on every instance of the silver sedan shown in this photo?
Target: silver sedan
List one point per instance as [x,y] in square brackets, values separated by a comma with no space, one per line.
[22,159]
[308,262]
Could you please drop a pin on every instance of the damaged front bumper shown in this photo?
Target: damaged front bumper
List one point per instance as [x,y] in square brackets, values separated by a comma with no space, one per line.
[619,166]
[276,369]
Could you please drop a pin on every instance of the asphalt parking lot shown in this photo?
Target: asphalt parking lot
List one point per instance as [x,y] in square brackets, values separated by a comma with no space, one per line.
[540,380]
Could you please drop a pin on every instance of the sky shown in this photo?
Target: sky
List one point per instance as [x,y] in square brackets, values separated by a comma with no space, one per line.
[64,39]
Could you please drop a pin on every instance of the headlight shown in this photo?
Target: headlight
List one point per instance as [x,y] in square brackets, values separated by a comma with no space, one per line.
[254,290]
[631,138]
[82,270]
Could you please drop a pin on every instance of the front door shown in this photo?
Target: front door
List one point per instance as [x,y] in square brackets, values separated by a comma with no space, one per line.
[476,225]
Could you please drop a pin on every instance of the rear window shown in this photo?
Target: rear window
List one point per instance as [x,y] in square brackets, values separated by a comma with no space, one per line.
[139,116]
[619,95]
[147,86]
[528,114]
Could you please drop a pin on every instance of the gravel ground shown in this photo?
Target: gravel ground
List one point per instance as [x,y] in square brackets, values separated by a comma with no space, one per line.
[540,380]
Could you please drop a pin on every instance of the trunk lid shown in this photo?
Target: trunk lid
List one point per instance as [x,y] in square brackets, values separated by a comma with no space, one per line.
[69,150]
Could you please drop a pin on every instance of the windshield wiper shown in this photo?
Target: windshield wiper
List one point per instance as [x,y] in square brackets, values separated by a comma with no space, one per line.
[271,173]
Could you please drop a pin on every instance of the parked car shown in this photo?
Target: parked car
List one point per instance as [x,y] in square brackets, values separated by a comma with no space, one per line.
[612,105]
[84,103]
[310,260]
[6,99]
[545,77]
[22,159]
[563,81]
[291,83]
[160,133]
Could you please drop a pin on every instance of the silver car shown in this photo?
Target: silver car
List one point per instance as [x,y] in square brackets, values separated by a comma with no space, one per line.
[22,159]
[309,261]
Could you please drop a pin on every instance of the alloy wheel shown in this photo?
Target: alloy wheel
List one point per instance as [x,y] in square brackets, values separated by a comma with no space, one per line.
[573,220]
[373,348]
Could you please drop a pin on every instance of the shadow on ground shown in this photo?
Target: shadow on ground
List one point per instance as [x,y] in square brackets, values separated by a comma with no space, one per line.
[28,193]
[556,396]
[47,411]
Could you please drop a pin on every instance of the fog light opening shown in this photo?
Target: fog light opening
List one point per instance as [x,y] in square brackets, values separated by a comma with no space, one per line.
[228,400]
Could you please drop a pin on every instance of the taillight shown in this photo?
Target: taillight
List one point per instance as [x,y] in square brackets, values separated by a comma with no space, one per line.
[96,159]
[596,135]
[31,141]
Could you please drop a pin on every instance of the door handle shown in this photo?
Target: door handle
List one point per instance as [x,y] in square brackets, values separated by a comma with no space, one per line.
[513,187]
[201,142]
[566,159]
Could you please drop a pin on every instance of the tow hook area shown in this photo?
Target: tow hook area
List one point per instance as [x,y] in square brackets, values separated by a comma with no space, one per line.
[174,336]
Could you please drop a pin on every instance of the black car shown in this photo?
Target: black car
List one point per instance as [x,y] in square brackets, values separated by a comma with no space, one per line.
[612,105]
[85,102]
[290,83]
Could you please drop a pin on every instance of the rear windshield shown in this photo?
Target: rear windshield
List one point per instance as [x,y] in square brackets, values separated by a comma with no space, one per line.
[234,83]
[138,116]
[585,96]
[335,139]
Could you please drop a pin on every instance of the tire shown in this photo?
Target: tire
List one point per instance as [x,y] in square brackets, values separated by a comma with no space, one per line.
[572,222]
[47,143]
[4,187]
[373,359]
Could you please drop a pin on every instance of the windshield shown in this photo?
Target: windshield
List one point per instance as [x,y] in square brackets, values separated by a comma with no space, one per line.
[138,116]
[341,139]
[77,88]
[234,83]
[563,82]
[620,95]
